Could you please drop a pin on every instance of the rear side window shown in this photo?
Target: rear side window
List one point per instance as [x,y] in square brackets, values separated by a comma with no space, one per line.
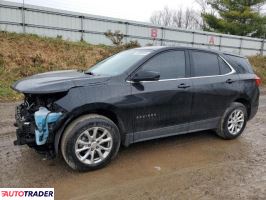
[224,68]
[170,64]
[205,64]
[241,63]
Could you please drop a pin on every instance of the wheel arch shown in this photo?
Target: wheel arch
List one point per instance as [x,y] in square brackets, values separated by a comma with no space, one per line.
[103,109]
[246,103]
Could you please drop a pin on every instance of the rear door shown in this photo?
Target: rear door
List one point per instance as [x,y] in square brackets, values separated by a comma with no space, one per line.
[162,103]
[215,86]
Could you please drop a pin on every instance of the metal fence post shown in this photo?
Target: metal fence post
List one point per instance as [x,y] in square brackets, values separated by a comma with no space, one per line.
[23,17]
[193,38]
[81,28]
[126,34]
[220,42]
[240,45]
[162,36]
[262,47]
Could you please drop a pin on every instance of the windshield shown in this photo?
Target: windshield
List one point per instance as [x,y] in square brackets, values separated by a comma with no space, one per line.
[118,63]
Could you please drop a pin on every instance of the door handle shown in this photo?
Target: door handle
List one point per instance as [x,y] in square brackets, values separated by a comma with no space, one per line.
[183,85]
[229,81]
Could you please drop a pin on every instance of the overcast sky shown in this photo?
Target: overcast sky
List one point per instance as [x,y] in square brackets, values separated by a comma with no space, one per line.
[138,10]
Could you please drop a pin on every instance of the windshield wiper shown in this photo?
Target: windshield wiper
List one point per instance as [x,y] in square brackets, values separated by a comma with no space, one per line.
[90,73]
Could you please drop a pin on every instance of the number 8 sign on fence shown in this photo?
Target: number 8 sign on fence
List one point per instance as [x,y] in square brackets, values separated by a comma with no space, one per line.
[154,33]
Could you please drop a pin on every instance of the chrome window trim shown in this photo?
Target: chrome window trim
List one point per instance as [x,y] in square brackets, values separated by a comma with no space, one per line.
[194,77]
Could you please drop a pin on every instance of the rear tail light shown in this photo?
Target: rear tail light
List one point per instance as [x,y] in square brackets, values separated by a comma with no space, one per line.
[258,81]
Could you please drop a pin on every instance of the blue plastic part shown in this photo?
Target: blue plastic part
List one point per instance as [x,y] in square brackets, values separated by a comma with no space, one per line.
[42,118]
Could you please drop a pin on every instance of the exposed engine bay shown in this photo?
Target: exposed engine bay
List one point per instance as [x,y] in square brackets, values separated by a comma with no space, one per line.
[36,119]
[45,110]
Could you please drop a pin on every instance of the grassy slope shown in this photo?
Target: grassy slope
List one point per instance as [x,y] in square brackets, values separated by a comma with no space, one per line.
[24,55]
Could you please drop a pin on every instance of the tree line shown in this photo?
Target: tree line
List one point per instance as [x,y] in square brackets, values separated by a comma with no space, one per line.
[235,17]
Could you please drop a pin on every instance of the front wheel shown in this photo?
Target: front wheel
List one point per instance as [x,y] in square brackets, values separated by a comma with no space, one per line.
[233,121]
[90,142]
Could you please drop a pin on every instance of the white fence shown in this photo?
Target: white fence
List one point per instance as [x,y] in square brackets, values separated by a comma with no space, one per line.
[76,26]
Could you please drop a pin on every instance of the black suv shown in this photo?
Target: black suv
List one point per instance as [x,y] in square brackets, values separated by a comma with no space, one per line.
[135,95]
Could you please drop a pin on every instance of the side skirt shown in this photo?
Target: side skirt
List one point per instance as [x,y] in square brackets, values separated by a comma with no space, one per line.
[171,131]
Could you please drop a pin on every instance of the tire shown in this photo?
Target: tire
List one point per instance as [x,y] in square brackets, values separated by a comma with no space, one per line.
[84,152]
[225,129]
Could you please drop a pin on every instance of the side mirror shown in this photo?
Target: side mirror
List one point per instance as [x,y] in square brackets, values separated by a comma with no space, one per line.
[146,76]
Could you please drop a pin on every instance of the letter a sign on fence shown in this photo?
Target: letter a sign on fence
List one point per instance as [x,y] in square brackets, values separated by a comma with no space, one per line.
[211,40]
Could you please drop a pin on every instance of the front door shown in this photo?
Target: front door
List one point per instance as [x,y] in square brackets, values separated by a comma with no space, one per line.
[162,107]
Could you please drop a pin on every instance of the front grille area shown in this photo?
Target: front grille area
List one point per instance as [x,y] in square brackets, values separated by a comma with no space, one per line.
[25,134]
[18,113]
[25,129]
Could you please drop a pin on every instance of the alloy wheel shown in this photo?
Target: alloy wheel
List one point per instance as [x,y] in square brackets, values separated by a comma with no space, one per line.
[93,145]
[235,121]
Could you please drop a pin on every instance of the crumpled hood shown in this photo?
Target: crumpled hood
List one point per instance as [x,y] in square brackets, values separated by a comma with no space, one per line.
[56,81]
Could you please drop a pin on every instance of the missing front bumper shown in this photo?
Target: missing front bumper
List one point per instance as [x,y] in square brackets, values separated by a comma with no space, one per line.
[24,134]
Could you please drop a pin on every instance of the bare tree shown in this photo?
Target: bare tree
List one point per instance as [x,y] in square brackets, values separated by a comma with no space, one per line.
[156,17]
[260,8]
[178,18]
[167,16]
[203,5]
[190,19]
[162,17]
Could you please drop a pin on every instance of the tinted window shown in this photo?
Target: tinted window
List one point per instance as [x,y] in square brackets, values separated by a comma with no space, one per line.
[205,64]
[241,63]
[119,63]
[170,64]
[224,68]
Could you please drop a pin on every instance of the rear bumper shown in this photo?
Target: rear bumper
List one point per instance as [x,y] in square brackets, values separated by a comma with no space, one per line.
[254,105]
[253,111]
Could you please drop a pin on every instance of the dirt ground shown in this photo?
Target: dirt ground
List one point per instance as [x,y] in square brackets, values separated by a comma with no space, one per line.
[192,166]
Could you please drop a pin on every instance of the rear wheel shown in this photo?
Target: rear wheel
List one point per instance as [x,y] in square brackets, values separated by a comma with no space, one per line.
[233,121]
[90,142]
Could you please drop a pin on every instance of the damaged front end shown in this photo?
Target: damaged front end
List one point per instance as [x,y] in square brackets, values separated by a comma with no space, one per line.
[39,117]
[37,120]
